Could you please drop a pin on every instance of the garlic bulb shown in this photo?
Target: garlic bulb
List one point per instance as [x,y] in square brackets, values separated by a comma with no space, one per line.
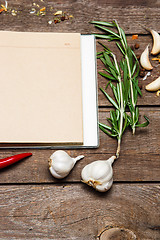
[99,174]
[154,86]
[156,42]
[60,163]
[144,59]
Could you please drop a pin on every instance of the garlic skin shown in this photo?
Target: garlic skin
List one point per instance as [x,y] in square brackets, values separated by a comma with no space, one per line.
[156,42]
[144,59]
[154,86]
[60,163]
[99,174]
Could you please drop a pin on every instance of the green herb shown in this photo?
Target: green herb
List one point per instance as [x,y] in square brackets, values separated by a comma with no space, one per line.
[126,89]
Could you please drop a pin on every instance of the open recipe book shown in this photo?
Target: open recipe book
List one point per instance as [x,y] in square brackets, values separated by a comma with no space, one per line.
[48,90]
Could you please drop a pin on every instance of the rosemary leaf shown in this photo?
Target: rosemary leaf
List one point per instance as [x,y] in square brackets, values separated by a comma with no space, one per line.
[118,45]
[106,76]
[108,30]
[114,89]
[107,24]
[110,99]
[105,126]
[105,131]
[145,124]
[101,36]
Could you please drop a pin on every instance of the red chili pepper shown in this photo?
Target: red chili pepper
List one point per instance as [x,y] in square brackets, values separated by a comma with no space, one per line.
[10,160]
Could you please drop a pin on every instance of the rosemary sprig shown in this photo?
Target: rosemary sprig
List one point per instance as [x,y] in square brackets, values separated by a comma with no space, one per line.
[131,62]
[126,89]
[118,117]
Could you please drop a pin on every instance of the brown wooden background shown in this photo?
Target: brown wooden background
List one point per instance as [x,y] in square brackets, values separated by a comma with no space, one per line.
[33,205]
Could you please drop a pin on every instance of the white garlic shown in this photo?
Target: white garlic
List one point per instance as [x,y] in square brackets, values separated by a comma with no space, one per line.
[154,86]
[156,42]
[60,163]
[99,174]
[144,59]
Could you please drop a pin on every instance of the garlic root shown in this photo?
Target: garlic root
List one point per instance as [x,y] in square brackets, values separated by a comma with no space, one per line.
[154,86]
[144,59]
[99,174]
[60,163]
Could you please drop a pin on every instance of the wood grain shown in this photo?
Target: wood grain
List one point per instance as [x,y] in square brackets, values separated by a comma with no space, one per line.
[51,209]
[131,15]
[77,211]
[139,157]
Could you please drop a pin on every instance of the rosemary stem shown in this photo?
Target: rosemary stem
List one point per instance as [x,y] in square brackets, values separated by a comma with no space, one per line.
[131,90]
[130,77]
[121,39]
[121,107]
[118,148]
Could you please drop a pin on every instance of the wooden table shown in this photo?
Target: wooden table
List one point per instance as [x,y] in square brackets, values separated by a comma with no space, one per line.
[35,206]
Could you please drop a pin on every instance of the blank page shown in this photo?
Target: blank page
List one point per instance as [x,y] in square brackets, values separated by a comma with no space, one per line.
[41,90]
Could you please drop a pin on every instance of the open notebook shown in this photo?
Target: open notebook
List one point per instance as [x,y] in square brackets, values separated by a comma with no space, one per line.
[48,90]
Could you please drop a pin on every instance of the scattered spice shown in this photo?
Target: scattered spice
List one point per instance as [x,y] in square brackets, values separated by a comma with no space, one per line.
[134,37]
[142,72]
[1,10]
[4,8]
[58,13]
[156,59]
[147,75]
[33,10]
[62,18]
[138,57]
[136,46]
[56,20]
[50,22]
[14,12]
[158,93]
[42,9]
[38,10]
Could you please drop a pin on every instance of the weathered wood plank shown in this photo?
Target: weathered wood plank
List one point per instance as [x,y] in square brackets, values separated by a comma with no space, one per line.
[130,15]
[139,157]
[77,211]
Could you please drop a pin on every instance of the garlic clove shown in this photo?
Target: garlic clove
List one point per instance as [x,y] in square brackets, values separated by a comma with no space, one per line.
[156,42]
[105,186]
[55,173]
[99,174]
[154,86]
[144,59]
[60,163]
